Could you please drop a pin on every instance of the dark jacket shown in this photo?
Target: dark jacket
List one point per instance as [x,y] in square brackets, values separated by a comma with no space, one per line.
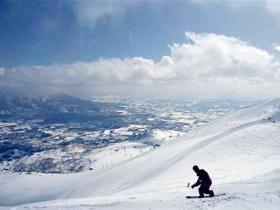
[203,178]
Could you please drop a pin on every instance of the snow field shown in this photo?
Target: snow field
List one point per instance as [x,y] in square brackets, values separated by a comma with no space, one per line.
[241,152]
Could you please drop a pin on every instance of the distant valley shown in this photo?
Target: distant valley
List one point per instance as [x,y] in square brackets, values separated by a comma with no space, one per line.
[64,134]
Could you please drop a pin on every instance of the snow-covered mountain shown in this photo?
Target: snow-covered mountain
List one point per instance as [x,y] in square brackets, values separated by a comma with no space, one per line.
[241,152]
[21,104]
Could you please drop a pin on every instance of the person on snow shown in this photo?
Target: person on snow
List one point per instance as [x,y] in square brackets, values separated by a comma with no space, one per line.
[204,181]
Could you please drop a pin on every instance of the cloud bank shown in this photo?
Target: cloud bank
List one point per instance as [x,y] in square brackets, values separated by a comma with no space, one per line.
[205,66]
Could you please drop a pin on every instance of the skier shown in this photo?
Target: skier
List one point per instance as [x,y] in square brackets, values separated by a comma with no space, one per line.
[204,181]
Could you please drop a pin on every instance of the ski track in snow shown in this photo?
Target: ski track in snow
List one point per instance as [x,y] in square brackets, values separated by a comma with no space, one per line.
[241,151]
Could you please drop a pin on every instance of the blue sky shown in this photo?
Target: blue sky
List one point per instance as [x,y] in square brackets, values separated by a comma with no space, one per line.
[45,32]
[111,46]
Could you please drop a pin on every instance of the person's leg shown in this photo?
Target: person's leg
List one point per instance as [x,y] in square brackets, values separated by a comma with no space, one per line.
[210,192]
[207,189]
[201,190]
[204,189]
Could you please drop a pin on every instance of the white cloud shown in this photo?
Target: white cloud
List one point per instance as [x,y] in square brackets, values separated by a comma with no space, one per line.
[218,55]
[90,12]
[271,6]
[2,71]
[276,47]
[206,65]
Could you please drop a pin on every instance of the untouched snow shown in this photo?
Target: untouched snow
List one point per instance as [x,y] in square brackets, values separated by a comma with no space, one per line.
[241,152]
[115,154]
[166,135]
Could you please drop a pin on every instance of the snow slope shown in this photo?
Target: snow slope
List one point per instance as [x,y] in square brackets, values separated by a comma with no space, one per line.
[241,152]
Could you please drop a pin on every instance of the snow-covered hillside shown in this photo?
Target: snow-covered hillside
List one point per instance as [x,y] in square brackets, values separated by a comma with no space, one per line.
[241,151]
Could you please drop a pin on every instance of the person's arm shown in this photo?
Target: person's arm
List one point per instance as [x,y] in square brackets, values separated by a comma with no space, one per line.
[197,183]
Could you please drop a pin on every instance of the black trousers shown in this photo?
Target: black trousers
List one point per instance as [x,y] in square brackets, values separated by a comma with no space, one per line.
[204,189]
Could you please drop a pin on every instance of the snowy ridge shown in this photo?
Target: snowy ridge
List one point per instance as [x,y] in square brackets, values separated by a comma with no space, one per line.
[241,152]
